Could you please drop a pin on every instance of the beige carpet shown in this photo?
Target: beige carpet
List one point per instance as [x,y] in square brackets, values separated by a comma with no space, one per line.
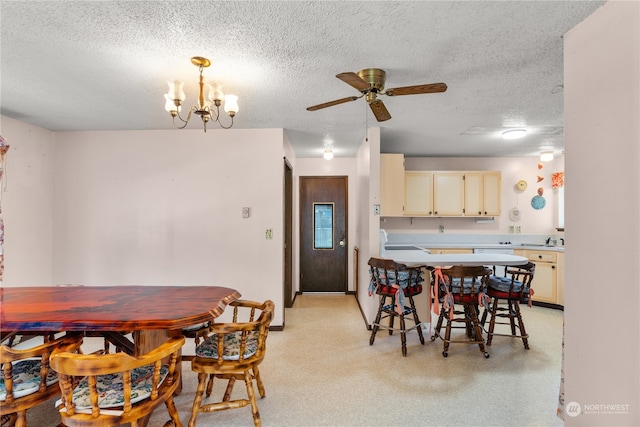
[321,371]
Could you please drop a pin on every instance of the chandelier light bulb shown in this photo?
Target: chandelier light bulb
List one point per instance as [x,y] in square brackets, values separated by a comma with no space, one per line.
[231,104]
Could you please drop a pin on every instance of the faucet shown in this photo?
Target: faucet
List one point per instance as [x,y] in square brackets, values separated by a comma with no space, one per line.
[548,241]
[562,240]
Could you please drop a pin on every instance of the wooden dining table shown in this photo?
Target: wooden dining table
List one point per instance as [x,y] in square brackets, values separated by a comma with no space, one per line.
[150,313]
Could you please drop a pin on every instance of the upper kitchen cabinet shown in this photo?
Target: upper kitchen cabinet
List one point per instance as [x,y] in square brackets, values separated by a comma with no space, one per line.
[482,193]
[418,193]
[391,184]
[448,193]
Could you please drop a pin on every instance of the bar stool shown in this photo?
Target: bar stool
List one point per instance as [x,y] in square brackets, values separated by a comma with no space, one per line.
[512,291]
[395,284]
[464,288]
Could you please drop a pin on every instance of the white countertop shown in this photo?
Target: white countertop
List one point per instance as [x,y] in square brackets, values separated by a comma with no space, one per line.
[416,257]
[533,246]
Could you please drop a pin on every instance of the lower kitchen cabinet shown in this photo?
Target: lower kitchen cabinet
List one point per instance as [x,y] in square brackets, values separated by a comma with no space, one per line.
[547,277]
[450,251]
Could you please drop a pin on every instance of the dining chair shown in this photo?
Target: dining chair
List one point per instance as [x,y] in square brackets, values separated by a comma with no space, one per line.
[26,379]
[507,293]
[461,290]
[233,352]
[396,285]
[116,388]
[198,333]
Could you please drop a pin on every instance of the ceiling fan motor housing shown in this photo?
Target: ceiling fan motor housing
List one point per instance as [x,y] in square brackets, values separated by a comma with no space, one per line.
[375,77]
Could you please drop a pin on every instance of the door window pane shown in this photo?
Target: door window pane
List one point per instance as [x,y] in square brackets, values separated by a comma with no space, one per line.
[323,226]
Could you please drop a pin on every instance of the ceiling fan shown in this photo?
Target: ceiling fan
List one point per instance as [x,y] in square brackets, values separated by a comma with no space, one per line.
[370,82]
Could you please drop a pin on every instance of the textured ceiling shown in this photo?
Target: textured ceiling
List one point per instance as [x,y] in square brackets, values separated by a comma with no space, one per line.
[80,65]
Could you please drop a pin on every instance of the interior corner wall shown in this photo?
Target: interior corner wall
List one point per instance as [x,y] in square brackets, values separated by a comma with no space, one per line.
[27,200]
[368,158]
[165,208]
[602,144]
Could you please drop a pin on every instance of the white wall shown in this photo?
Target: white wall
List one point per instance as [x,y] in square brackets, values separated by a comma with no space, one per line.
[146,207]
[369,224]
[543,221]
[602,144]
[27,198]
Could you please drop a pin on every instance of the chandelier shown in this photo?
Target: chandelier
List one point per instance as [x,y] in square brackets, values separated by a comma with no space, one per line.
[208,110]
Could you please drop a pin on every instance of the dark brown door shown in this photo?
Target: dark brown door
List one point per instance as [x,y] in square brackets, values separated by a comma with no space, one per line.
[323,234]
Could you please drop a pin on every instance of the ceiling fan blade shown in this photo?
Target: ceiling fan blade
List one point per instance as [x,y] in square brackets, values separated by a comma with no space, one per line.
[379,110]
[354,80]
[418,89]
[332,103]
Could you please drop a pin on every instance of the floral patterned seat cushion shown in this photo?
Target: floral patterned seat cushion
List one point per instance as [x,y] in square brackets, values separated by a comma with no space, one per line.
[455,286]
[504,283]
[404,280]
[209,347]
[110,388]
[26,378]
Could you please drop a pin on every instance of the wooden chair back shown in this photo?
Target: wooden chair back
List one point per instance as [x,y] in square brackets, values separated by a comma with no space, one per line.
[94,368]
[36,382]
[387,272]
[250,324]
[474,280]
[523,274]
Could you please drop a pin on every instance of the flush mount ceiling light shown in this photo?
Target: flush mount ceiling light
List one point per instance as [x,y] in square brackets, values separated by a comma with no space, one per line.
[514,133]
[204,108]
[328,154]
[546,156]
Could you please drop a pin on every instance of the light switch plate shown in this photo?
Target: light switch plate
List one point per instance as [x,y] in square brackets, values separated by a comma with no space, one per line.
[246,212]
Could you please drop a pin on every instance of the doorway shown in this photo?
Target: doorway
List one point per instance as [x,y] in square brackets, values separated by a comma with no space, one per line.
[323,234]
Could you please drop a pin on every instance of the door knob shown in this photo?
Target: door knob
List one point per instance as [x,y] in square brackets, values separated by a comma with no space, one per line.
[342,243]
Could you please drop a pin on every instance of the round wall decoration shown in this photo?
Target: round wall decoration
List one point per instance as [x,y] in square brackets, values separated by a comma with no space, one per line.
[538,202]
[521,185]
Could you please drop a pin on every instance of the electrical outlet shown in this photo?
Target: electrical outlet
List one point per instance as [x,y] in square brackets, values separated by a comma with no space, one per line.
[376,209]
[246,212]
[441,229]
[269,234]
[511,229]
[518,229]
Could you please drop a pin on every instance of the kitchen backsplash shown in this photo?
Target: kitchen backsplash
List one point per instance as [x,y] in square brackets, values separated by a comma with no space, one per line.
[434,239]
